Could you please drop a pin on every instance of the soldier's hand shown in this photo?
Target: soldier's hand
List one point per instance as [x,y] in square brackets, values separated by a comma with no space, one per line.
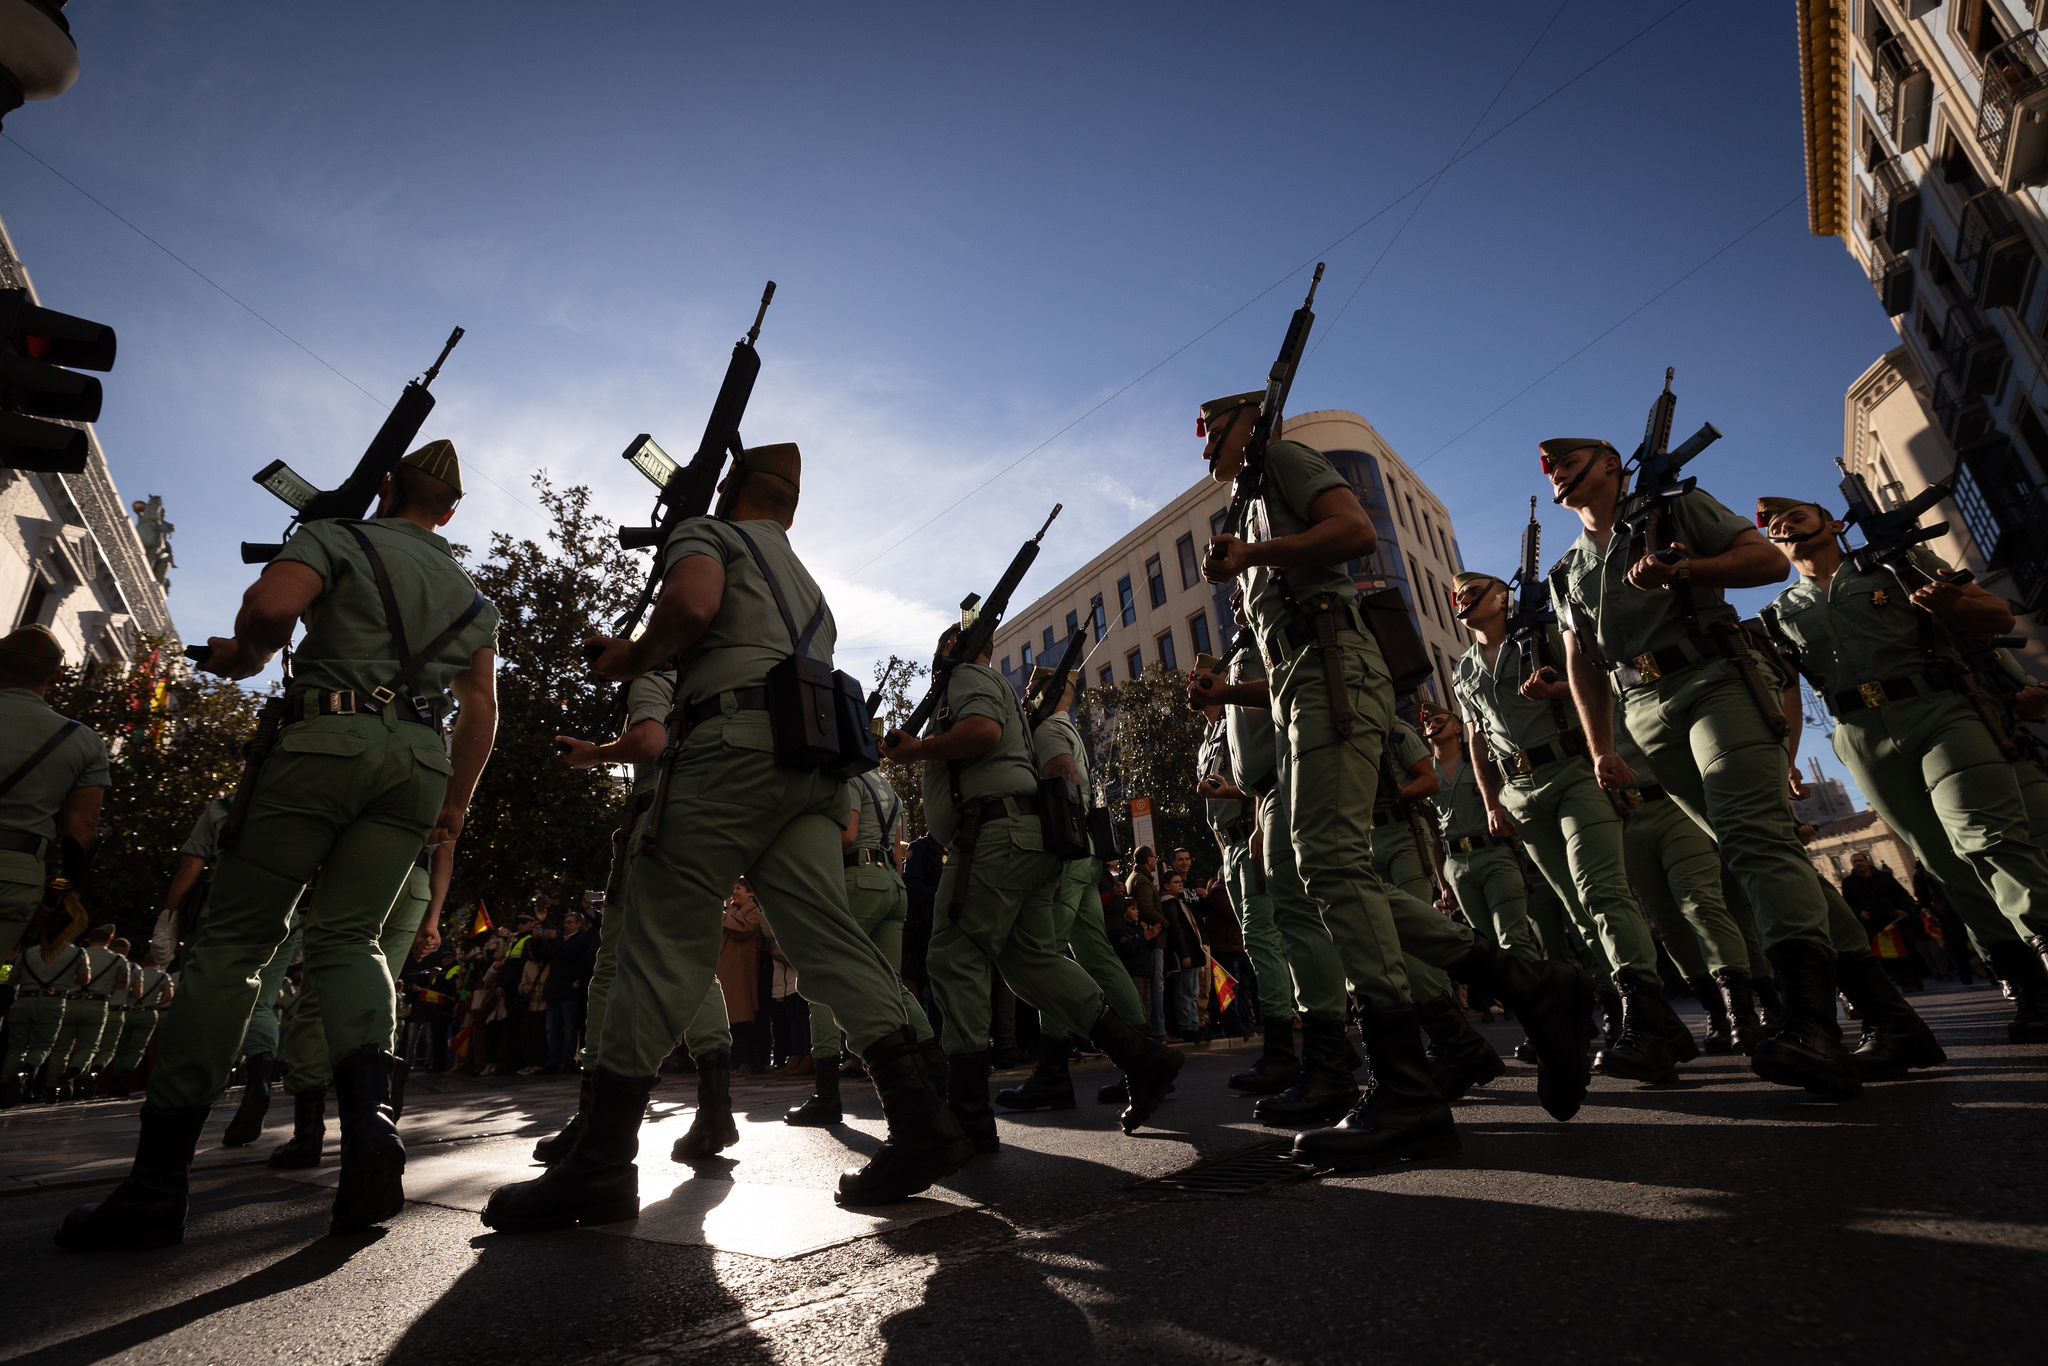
[1613,772]
[2032,702]
[428,940]
[1796,786]
[1653,572]
[576,753]
[1226,559]
[1202,687]
[611,657]
[899,745]
[1545,686]
[1212,784]
[1498,825]
[1941,597]
[230,658]
[447,826]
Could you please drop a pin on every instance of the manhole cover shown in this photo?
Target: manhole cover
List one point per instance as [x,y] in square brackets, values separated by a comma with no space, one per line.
[1241,1173]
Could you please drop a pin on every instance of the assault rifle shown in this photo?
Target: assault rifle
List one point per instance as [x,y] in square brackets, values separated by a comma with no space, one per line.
[1889,535]
[1279,383]
[1049,697]
[1531,615]
[355,493]
[1655,479]
[979,618]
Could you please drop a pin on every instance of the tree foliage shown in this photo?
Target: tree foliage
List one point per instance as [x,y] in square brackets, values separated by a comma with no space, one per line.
[1142,742]
[897,683]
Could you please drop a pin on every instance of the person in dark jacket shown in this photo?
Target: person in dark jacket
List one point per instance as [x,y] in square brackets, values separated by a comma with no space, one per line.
[1880,902]
[570,959]
[1187,959]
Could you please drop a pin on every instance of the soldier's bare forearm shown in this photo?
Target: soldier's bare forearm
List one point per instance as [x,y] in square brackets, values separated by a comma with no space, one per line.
[1591,696]
[1751,562]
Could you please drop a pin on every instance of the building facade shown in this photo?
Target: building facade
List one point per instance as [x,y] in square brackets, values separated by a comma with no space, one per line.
[1835,843]
[1926,128]
[70,557]
[1158,611]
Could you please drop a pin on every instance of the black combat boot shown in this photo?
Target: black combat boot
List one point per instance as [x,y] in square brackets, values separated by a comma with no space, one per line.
[1277,1066]
[372,1185]
[1149,1067]
[1050,1086]
[1677,1037]
[11,1090]
[401,1073]
[1116,1092]
[309,1130]
[1552,1000]
[148,1208]
[1327,1087]
[1643,1052]
[712,1129]
[1610,1015]
[1720,1029]
[1744,1030]
[1525,1051]
[931,1055]
[823,1106]
[1807,1049]
[596,1181]
[555,1146]
[2019,967]
[1895,1038]
[1460,1057]
[924,1142]
[1770,1007]
[967,1094]
[1402,1117]
[247,1125]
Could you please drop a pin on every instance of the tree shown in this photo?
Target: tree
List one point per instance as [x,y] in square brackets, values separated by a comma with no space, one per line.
[895,677]
[1142,742]
[174,741]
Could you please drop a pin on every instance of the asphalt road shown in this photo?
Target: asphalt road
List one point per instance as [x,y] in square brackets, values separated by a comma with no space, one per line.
[1714,1220]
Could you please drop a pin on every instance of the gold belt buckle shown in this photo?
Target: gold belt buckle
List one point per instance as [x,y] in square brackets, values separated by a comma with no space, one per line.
[1873,694]
[334,702]
[1523,764]
[1646,667]
[1633,796]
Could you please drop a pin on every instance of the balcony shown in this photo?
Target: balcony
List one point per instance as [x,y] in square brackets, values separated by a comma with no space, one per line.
[1962,416]
[1973,353]
[1993,256]
[1892,276]
[2012,112]
[1905,94]
[1896,197]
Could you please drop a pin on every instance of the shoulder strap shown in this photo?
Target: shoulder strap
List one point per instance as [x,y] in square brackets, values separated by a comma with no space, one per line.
[888,814]
[802,643]
[1774,627]
[30,764]
[409,662]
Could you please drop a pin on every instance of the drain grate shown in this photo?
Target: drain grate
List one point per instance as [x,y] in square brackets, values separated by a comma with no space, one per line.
[1254,1169]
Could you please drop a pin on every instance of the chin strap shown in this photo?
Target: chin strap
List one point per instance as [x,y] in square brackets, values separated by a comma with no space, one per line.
[1558,498]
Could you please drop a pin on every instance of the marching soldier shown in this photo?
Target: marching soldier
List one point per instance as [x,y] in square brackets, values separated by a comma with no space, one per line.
[1878,652]
[85,1017]
[726,809]
[53,776]
[119,1002]
[1332,701]
[359,779]
[50,971]
[1480,867]
[994,912]
[154,994]
[185,899]
[1059,752]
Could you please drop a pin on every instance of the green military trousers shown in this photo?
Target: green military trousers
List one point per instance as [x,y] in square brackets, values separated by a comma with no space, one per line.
[308,1059]
[1077,923]
[1005,924]
[1400,863]
[731,812]
[1490,891]
[21,893]
[2034,793]
[85,1017]
[1312,956]
[876,896]
[1574,836]
[1331,779]
[351,798]
[1744,916]
[109,1041]
[138,1027]
[1933,771]
[1711,749]
[32,1026]
[1675,869]
[1263,943]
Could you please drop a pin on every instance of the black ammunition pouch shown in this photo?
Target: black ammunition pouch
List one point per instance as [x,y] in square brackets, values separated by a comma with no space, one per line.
[817,715]
[1063,818]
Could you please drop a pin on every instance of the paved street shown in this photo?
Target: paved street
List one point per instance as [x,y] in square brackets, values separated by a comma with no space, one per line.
[1713,1220]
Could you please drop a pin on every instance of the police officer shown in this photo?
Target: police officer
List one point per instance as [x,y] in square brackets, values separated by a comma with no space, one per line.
[1876,644]
[1530,764]
[728,609]
[1076,909]
[1656,627]
[53,776]
[359,779]
[1332,701]
[650,699]
[155,990]
[994,911]
[51,969]
[85,1017]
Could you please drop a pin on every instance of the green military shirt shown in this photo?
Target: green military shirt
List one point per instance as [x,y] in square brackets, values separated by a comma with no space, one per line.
[1254,760]
[1295,477]
[1061,735]
[109,971]
[203,842]
[1214,757]
[1405,749]
[1863,628]
[1460,805]
[880,809]
[1006,770]
[650,697]
[54,973]
[79,760]
[747,638]
[1622,621]
[348,642]
[1493,701]
[154,980]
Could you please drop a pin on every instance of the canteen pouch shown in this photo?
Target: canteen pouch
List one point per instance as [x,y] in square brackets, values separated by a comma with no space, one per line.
[1103,836]
[1401,647]
[857,751]
[1063,818]
[817,715]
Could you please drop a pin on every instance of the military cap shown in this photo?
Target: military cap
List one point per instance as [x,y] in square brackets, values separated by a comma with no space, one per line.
[1769,510]
[1430,710]
[1471,576]
[1558,447]
[33,642]
[106,931]
[1223,407]
[783,460]
[437,460]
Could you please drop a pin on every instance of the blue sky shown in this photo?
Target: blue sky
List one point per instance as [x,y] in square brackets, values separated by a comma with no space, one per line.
[983,222]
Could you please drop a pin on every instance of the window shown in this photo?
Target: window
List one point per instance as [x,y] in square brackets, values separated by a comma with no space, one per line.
[1412,518]
[1126,601]
[1073,622]
[1977,514]
[1167,659]
[1190,572]
[1048,640]
[1107,677]
[1443,676]
[1155,581]
[1394,497]
[1198,633]
[1101,620]
[36,603]
[1135,662]
[1217,520]
[1027,656]
[1436,599]
[1006,665]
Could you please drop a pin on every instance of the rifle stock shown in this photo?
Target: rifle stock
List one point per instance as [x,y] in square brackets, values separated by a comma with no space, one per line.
[1279,385]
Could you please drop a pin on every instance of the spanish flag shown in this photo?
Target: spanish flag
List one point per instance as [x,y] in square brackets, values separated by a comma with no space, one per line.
[1225,984]
[482,925]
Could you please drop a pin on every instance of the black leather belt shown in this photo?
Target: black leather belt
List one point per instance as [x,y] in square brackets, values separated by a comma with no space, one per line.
[1521,763]
[996,808]
[865,858]
[1469,844]
[21,842]
[1296,634]
[1238,830]
[348,702]
[1870,696]
[1645,794]
[745,699]
[1653,665]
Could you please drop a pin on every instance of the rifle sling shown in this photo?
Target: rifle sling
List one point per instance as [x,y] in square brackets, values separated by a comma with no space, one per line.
[35,760]
[409,662]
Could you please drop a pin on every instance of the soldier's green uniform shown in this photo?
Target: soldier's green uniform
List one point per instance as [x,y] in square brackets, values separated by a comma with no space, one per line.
[31,795]
[1482,871]
[1232,822]
[1077,905]
[1675,869]
[85,1015]
[43,982]
[306,1051]
[1399,854]
[876,896]
[119,1000]
[138,1027]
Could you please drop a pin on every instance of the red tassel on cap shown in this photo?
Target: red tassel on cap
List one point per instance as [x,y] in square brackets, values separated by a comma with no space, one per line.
[1201,425]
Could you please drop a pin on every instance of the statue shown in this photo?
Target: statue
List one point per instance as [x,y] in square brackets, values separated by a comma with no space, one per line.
[156,537]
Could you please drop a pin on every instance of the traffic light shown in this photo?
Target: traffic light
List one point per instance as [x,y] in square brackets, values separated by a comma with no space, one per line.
[35,345]
[38,59]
